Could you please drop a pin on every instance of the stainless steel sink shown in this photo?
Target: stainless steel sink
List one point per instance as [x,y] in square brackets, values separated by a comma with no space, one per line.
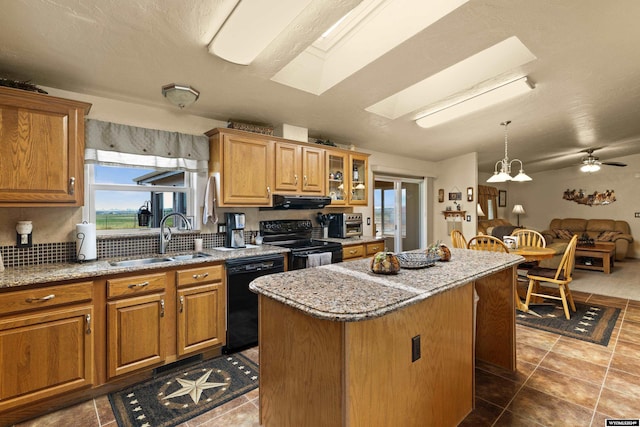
[139,261]
[189,256]
[146,261]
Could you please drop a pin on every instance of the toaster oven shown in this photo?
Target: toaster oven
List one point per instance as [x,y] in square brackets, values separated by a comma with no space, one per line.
[343,225]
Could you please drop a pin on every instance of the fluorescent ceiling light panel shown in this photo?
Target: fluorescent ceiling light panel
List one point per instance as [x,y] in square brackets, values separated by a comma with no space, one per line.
[477,102]
[252,26]
[496,60]
[368,37]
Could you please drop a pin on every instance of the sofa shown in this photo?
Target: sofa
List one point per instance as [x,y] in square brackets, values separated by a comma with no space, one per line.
[500,226]
[600,230]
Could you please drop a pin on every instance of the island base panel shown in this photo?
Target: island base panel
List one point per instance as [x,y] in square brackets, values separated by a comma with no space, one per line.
[323,373]
[496,331]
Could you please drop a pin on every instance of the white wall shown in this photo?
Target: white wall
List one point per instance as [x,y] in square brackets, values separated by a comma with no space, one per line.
[542,197]
[455,175]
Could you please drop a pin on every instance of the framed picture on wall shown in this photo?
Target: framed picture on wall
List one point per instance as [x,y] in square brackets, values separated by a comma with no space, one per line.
[441,195]
[502,198]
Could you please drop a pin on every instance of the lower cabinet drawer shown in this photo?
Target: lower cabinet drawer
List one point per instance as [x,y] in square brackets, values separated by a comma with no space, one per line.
[349,252]
[374,248]
[51,296]
[135,285]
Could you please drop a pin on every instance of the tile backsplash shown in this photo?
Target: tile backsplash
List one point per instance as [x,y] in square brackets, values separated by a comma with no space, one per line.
[107,247]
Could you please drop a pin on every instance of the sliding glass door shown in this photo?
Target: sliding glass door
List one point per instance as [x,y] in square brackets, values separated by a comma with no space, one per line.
[398,211]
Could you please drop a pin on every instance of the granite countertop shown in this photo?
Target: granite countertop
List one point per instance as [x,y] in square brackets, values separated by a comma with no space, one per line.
[354,240]
[13,277]
[351,292]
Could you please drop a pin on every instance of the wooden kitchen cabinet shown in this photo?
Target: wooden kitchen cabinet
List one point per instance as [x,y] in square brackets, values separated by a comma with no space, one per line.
[46,343]
[347,178]
[200,309]
[337,178]
[243,165]
[358,194]
[41,149]
[135,325]
[351,252]
[373,248]
[299,169]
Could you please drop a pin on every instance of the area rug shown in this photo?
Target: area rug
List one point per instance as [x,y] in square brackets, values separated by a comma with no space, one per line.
[590,322]
[176,396]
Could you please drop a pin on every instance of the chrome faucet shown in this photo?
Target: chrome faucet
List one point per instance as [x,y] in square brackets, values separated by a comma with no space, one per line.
[165,237]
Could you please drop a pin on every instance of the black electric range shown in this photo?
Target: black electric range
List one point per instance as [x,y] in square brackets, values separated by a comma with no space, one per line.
[295,235]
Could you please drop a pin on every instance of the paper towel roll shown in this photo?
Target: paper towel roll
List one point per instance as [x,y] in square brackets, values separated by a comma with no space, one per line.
[86,241]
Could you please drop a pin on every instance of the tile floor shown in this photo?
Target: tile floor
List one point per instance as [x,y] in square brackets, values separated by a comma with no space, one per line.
[559,381]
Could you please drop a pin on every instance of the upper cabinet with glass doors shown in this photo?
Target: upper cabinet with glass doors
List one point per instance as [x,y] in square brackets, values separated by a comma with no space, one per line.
[347,177]
[359,188]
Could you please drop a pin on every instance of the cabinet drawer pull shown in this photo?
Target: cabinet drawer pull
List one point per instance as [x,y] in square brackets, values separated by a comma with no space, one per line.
[200,276]
[268,191]
[304,178]
[181,304]
[352,251]
[88,319]
[43,299]
[296,177]
[138,285]
[72,186]
[161,308]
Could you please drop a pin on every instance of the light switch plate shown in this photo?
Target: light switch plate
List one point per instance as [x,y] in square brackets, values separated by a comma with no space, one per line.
[637,214]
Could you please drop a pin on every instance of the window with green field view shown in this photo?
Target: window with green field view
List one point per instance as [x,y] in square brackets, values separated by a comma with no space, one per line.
[124,198]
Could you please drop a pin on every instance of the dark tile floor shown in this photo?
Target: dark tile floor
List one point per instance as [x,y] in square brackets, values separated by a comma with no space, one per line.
[559,381]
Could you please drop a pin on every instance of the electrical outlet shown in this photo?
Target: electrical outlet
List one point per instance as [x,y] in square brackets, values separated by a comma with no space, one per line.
[368,221]
[415,348]
[222,228]
[637,214]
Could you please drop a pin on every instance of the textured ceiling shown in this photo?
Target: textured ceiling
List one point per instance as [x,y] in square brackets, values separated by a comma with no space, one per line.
[586,72]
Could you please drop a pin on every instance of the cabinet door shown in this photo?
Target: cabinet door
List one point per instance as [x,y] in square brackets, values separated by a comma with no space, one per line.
[41,150]
[358,170]
[288,167]
[337,185]
[45,354]
[247,171]
[135,331]
[313,170]
[200,318]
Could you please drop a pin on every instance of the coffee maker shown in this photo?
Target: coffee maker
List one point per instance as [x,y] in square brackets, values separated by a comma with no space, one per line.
[234,237]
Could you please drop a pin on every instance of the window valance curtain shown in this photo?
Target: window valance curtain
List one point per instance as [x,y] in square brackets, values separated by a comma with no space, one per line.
[122,145]
[486,193]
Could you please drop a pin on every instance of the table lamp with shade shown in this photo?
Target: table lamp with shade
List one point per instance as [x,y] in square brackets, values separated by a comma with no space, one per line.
[518,210]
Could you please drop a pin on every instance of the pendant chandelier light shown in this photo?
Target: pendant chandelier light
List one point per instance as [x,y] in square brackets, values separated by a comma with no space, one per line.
[502,170]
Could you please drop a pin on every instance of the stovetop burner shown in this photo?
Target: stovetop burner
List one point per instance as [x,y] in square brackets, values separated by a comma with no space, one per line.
[293,234]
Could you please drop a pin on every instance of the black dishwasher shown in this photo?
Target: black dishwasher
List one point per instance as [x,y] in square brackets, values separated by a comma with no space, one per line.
[242,304]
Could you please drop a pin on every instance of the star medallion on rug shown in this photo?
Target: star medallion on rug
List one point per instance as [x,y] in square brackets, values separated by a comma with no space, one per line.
[590,322]
[178,395]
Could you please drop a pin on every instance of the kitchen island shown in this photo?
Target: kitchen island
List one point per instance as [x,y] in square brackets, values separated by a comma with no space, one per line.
[341,346]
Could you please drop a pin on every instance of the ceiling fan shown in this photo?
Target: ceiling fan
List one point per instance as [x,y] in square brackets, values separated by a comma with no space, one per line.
[591,163]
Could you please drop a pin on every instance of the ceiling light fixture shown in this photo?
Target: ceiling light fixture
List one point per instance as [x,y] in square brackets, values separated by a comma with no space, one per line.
[252,26]
[474,103]
[504,174]
[180,95]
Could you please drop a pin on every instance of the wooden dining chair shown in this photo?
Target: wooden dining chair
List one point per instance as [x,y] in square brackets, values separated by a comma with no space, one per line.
[529,238]
[483,242]
[458,240]
[560,277]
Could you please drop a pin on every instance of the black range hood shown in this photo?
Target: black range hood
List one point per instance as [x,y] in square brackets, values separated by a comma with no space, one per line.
[300,202]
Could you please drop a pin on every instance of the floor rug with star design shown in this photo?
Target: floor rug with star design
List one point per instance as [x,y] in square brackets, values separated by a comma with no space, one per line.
[590,322]
[178,395]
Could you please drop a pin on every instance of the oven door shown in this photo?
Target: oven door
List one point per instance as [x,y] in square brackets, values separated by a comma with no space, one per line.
[298,258]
